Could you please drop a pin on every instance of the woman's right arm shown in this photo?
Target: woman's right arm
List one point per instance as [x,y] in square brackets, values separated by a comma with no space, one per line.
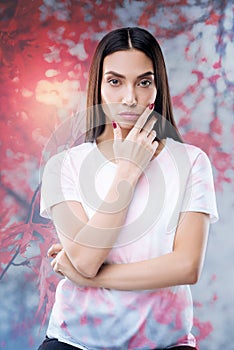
[87,242]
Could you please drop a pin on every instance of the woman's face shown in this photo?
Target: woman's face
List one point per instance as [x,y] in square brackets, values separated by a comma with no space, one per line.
[127,86]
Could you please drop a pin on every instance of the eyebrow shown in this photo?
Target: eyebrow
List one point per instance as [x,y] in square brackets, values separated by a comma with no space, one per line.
[122,76]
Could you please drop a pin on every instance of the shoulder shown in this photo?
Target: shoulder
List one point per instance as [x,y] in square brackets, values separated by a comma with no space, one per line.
[188,157]
[191,151]
[68,158]
[77,152]
[81,150]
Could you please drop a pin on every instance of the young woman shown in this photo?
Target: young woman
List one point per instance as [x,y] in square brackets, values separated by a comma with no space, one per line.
[131,206]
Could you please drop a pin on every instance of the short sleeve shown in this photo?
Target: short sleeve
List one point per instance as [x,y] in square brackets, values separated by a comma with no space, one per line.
[199,194]
[58,183]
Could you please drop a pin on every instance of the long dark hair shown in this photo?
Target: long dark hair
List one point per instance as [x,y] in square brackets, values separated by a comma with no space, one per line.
[126,39]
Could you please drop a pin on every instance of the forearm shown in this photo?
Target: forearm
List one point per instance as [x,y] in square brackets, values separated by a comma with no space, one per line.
[165,271]
[104,226]
[88,243]
[181,266]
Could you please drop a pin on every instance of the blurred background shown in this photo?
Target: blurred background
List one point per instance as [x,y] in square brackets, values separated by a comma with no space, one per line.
[45,52]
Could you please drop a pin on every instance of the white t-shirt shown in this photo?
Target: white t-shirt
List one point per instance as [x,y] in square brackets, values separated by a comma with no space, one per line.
[178,179]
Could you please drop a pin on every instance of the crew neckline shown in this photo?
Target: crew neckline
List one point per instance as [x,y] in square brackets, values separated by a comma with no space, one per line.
[114,164]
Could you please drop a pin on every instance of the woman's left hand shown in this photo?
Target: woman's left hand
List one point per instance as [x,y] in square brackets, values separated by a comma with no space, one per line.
[60,263]
[54,250]
[63,266]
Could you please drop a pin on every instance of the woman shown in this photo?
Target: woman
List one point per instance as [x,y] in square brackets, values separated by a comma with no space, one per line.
[131,207]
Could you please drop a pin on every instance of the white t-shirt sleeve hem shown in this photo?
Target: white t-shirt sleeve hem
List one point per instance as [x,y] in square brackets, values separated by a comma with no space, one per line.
[59,183]
[213,216]
[200,194]
[45,211]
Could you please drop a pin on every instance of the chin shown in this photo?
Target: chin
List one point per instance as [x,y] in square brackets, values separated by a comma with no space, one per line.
[126,125]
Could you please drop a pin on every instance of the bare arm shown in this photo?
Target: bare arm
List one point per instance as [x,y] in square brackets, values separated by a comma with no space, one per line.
[182,266]
[88,242]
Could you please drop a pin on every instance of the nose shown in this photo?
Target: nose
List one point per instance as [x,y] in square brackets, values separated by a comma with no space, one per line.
[129,98]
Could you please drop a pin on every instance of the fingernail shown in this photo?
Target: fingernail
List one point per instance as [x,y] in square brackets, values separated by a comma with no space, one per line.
[114,125]
[151,106]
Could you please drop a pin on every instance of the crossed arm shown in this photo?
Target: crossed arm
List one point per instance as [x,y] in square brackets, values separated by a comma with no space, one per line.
[182,266]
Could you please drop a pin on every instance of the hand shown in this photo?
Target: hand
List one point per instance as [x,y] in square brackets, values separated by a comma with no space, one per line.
[54,250]
[61,264]
[135,152]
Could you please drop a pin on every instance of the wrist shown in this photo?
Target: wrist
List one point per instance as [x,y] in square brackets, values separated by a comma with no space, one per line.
[128,173]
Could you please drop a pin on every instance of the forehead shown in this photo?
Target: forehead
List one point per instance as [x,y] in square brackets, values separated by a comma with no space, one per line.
[128,61]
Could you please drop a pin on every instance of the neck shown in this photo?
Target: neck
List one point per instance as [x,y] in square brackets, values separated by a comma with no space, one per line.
[108,134]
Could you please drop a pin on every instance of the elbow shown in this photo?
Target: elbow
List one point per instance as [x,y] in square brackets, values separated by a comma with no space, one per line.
[188,270]
[193,277]
[192,274]
[86,269]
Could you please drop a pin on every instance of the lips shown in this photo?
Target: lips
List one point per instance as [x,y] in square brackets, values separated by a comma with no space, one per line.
[129,115]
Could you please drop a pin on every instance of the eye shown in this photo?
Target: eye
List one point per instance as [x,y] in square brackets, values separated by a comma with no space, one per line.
[113,82]
[145,83]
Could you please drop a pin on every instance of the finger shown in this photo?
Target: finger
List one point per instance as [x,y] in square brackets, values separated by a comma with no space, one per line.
[142,119]
[150,125]
[52,254]
[54,249]
[60,272]
[57,269]
[152,135]
[117,132]
[53,263]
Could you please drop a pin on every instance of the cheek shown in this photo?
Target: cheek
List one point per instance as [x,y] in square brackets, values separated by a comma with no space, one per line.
[110,94]
[106,94]
[146,96]
[153,94]
[108,101]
